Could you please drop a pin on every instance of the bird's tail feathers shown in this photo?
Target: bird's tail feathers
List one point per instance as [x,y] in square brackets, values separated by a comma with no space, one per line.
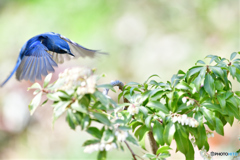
[14,70]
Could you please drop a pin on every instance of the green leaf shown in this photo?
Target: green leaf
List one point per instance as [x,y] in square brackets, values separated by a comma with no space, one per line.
[131,139]
[108,136]
[213,58]
[237,93]
[158,106]
[91,141]
[35,103]
[44,102]
[79,107]
[102,98]
[200,61]
[163,149]
[229,119]
[169,133]
[95,132]
[149,155]
[124,128]
[132,84]
[209,85]
[53,96]
[184,145]
[182,142]
[140,132]
[201,136]
[70,119]
[85,121]
[222,101]
[154,75]
[219,126]
[208,115]
[102,118]
[59,109]
[232,70]
[158,132]
[148,121]
[35,86]
[217,71]
[47,80]
[183,85]
[102,155]
[219,85]
[194,70]
[233,55]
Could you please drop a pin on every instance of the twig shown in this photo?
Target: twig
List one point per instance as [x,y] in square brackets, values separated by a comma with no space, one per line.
[133,154]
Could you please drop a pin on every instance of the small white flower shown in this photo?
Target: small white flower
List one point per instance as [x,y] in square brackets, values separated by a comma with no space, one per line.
[133,109]
[121,135]
[96,147]
[195,123]
[108,147]
[188,103]
[88,149]
[191,123]
[187,121]
[179,118]
[184,99]
[114,146]
[183,119]
[174,119]
[102,146]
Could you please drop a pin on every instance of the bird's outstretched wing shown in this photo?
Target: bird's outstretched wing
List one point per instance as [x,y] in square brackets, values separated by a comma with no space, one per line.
[78,50]
[59,58]
[36,62]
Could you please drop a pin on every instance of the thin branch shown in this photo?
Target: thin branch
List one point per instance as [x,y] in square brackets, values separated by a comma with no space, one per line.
[133,154]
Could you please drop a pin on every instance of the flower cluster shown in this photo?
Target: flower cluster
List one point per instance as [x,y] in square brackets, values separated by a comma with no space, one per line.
[205,155]
[82,78]
[100,147]
[185,120]
[121,135]
[133,109]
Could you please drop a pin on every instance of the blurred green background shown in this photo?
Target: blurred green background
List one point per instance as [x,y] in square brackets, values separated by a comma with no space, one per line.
[142,37]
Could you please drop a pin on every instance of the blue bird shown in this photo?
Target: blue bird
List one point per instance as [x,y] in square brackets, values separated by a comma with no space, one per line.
[41,53]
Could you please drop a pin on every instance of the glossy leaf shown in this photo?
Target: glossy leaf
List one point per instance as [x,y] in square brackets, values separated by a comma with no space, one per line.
[233,55]
[219,126]
[163,149]
[158,106]
[94,132]
[35,103]
[35,86]
[102,118]
[158,133]
[47,80]
[168,133]
[209,85]
[102,155]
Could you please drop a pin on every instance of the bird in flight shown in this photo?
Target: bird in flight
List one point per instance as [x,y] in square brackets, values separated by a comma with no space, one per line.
[41,53]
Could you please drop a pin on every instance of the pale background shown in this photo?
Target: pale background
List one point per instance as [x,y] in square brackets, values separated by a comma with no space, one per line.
[143,37]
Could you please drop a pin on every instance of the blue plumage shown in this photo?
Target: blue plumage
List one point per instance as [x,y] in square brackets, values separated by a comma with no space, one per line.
[41,53]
